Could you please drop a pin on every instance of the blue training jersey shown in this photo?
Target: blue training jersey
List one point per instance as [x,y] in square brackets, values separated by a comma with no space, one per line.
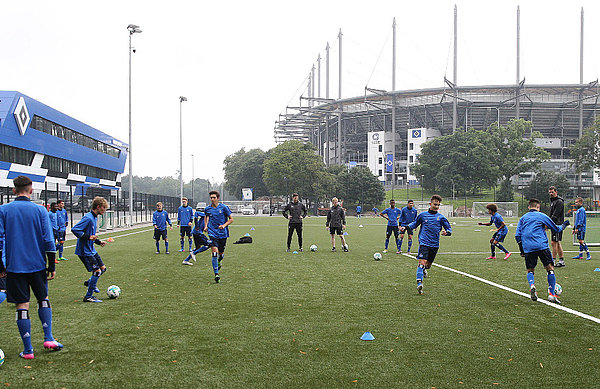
[408,216]
[160,219]
[431,223]
[62,218]
[198,223]
[497,220]
[531,231]
[53,220]
[358,209]
[580,219]
[185,215]
[83,230]
[27,235]
[393,215]
[217,216]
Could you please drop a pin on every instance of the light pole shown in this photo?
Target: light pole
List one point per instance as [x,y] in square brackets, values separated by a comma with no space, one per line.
[193,177]
[133,29]
[181,100]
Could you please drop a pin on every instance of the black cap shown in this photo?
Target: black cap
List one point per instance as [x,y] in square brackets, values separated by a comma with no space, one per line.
[294,194]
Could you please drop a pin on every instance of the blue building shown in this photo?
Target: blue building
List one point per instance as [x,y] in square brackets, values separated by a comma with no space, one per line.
[54,149]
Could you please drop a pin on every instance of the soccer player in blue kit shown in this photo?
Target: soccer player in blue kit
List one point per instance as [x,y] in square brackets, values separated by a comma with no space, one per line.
[499,234]
[407,216]
[533,243]
[201,242]
[54,222]
[431,222]
[160,219]
[85,231]
[579,229]
[62,218]
[185,217]
[218,218]
[391,214]
[28,242]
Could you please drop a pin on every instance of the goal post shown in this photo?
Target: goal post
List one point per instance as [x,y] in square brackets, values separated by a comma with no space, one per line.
[505,208]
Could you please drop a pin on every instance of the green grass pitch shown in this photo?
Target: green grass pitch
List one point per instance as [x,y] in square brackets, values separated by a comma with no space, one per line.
[285,320]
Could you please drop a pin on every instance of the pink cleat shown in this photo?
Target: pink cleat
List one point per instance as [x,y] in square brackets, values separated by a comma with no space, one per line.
[53,345]
[507,256]
[491,257]
[26,355]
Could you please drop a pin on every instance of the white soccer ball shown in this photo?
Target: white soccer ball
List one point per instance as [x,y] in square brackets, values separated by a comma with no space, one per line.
[558,290]
[113,291]
[313,247]
[377,256]
[1,357]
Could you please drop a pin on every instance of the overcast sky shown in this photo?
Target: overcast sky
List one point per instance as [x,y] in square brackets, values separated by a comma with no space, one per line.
[240,63]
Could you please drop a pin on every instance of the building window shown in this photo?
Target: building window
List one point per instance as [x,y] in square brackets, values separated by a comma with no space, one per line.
[16,155]
[380,173]
[380,148]
[411,146]
[41,124]
[411,159]
[61,165]
[380,161]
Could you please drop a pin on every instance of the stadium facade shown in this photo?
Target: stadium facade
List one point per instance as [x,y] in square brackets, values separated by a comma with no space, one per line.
[54,149]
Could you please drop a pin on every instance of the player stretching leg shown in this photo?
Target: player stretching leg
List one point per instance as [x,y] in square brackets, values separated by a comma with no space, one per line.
[579,229]
[431,223]
[28,242]
[499,234]
[533,243]
[160,219]
[218,218]
[201,243]
[85,231]
[407,216]
[391,214]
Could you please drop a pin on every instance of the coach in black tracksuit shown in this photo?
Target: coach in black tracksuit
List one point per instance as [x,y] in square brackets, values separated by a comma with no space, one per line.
[336,222]
[557,214]
[295,212]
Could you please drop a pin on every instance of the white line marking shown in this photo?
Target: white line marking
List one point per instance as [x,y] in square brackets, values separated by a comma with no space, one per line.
[526,295]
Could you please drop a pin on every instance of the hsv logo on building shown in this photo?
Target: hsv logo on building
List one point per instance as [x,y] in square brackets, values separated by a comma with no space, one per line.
[22,116]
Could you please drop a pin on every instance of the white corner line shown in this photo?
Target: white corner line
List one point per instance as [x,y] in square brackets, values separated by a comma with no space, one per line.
[526,295]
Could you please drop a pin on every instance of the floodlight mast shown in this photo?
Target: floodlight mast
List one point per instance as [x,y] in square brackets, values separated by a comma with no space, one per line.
[133,29]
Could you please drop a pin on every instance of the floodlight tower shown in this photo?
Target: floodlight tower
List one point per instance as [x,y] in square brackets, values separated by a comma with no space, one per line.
[133,29]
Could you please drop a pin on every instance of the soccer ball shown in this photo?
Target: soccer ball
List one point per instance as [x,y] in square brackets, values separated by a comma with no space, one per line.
[313,247]
[377,256]
[113,292]
[1,357]
[558,290]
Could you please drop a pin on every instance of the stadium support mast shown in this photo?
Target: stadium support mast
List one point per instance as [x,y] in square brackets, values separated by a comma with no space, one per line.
[339,137]
[312,84]
[393,151]
[454,104]
[518,88]
[581,78]
[327,96]
[319,76]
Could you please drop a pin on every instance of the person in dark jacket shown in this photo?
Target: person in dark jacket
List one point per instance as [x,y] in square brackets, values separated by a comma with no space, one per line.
[294,212]
[336,223]
[557,214]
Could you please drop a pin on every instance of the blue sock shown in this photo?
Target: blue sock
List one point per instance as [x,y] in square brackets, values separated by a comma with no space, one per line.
[530,279]
[580,250]
[24,325]
[201,249]
[2,297]
[221,256]
[190,244]
[399,243]
[551,281]
[166,246]
[45,314]
[92,285]
[387,242]
[499,245]
[420,273]
[182,244]
[215,263]
[187,259]
[493,250]
[60,248]
[586,248]
[157,246]
[409,244]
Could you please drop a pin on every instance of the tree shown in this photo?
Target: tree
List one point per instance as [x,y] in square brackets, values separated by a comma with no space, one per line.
[245,170]
[586,151]
[294,166]
[359,185]
[466,163]
[514,152]
[538,187]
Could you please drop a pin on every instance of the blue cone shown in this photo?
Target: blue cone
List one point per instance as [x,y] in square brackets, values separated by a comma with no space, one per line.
[252,229]
[367,336]
[247,234]
[597,269]
[295,252]
[345,233]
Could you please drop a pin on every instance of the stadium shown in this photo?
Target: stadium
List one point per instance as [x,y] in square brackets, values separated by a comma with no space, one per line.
[384,129]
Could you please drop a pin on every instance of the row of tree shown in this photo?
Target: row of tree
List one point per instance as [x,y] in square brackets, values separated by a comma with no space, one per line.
[295,166]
